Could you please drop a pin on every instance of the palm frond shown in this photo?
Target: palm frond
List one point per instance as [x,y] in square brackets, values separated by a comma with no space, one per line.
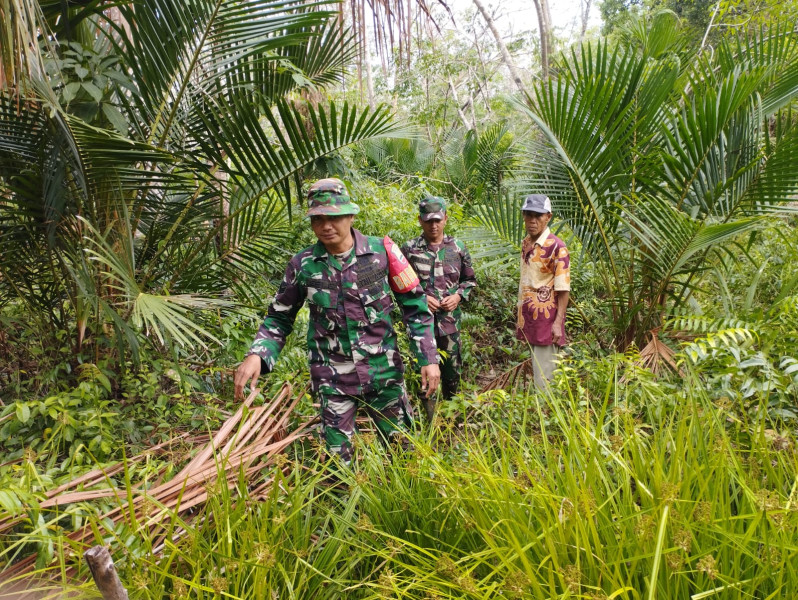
[398,156]
[180,51]
[669,238]
[775,184]
[712,143]
[263,158]
[495,230]
[773,50]
[111,257]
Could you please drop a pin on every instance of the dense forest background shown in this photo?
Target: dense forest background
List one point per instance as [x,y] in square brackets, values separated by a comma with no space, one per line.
[154,161]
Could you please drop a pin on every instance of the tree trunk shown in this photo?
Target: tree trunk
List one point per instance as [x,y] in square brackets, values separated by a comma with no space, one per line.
[544,24]
[366,54]
[355,7]
[460,112]
[508,60]
[586,4]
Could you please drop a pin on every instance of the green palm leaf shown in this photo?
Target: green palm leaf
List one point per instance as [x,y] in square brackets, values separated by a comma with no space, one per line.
[179,51]
[262,158]
[166,317]
[712,142]
[655,158]
[496,230]
[669,239]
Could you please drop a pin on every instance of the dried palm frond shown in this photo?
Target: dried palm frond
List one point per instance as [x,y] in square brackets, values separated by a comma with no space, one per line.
[510,378]
[247,442]
[656,355]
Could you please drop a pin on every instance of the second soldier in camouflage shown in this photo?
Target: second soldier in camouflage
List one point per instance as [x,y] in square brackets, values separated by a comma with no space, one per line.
[443,265]
[352,346]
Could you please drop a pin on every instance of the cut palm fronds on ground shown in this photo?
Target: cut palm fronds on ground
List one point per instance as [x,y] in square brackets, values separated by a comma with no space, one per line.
[509,378]
[247,442]
[656,355]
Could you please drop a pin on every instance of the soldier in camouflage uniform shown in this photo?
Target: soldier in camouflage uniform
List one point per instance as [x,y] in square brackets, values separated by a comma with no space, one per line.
[352,346]
[444,266]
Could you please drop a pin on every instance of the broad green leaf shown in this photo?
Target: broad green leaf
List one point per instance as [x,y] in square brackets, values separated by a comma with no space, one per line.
[22,411]
[70,91]
[93,90]
[115,117]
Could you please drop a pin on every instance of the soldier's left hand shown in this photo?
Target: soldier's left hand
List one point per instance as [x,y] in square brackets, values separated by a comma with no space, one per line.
[450,302]
[430,379]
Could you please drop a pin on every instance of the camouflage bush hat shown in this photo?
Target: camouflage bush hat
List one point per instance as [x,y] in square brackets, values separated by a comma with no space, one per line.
[537,203]
[432,207]
[329,197]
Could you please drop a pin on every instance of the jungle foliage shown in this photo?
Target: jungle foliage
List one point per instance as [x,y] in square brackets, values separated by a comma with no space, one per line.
[148,154]
[656,156]
[638,490]
[153,156]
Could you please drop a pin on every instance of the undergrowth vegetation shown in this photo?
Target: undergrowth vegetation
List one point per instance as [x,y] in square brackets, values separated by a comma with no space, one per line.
[642,489]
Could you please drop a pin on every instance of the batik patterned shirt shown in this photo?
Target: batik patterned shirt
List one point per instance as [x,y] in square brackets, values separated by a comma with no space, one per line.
[352,345]
[545,270]
[443,269]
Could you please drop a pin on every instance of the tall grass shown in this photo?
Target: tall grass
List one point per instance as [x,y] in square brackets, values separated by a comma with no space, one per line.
[644,492]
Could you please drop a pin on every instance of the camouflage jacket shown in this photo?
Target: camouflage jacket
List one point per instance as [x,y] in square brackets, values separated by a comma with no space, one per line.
[443,272]
[352,345]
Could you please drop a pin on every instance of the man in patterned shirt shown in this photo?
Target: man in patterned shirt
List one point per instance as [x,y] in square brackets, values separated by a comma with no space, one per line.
[544,289]
[352,346]
[443,265]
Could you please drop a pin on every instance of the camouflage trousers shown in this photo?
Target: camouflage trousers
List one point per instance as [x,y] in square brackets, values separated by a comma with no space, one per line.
[388,407]
[451,366]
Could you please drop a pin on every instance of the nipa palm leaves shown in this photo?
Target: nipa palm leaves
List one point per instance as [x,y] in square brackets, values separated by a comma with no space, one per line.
[654,157]
[195,197]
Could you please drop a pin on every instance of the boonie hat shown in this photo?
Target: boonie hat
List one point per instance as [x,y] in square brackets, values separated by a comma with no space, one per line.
[329,197]
[432,207]
[537,203]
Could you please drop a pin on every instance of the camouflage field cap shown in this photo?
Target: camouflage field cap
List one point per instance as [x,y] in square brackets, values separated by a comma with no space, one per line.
[432,207]
[329,197]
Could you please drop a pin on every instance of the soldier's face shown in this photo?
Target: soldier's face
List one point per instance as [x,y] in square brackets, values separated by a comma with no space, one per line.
[332,231]
[433,229]
[535,223]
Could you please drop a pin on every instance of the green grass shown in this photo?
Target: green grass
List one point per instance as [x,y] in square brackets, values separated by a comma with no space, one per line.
[647,492]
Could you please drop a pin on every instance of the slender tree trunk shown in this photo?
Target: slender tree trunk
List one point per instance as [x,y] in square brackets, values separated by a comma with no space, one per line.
[369,82]
[357,26]
[408,44]
[365,54]
[544,24]
[460,112]
[483,87]
[508,60]
[341,20]
[711,21]
[586,4]
[473,111]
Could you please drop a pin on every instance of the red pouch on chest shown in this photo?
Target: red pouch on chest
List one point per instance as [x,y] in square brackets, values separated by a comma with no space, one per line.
[401,275]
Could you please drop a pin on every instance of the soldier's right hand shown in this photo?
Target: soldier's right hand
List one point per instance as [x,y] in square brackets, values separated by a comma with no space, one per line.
[248,371]
[433,303]
[430,379]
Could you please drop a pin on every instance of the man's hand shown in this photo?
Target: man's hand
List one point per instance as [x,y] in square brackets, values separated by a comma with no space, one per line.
[433,303]
[248,371]
[430,379]
[558,328]
[557,331]
[450,302]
